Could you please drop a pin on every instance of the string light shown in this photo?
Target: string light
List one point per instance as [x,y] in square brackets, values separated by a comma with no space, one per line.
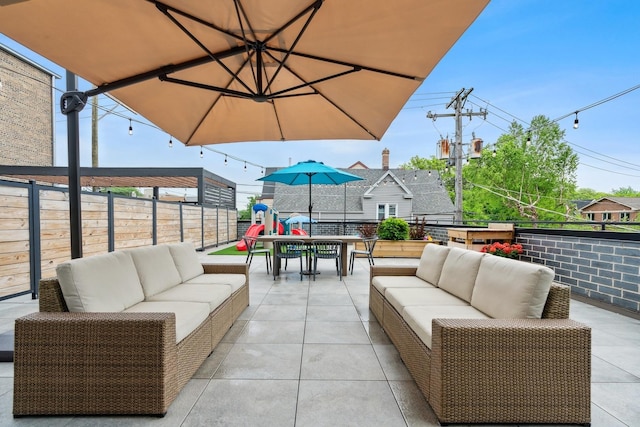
[575,122]
[130,128]
[201,153]
[245,166]
[429,172]
[529,138]
[494,153]
[170,142]
[225,160]
[415,175]
[262,171]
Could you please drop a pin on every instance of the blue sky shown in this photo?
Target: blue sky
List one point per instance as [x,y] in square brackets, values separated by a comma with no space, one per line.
[523,58]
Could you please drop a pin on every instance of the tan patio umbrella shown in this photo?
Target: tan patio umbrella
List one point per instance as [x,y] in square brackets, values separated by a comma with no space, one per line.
[220,71]
[215,71]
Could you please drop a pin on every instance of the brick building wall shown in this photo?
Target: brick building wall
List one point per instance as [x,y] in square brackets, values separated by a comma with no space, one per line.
[606,270]
[26,112]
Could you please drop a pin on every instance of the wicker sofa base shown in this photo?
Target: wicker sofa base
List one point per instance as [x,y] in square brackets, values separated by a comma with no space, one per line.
[110,363]
[497,371]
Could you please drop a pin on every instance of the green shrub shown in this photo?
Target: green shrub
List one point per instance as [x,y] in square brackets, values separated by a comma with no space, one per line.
[393,229]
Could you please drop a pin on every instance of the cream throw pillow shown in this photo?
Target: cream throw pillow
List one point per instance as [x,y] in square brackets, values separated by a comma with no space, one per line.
[511,289]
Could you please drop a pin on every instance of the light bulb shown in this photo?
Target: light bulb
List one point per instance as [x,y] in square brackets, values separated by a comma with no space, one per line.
[494,153]
[201,153]
[130,128]
[170,142]
[429,172]
[225,160]
[575,122]
[245,166]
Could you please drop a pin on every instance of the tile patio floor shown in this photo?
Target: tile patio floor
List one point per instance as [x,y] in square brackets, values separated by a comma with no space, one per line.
[310,353]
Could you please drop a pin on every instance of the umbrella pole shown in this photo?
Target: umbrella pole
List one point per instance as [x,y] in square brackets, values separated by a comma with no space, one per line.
[310,208]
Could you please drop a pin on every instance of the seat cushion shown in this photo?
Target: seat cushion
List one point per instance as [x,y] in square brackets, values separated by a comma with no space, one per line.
[100,283]
[214,295]
[511,289]
[382,283]
[156,268]
[431,262]
[186,260]
[189,315]
[459,272]
[400,298]
[420,317]
[236,281]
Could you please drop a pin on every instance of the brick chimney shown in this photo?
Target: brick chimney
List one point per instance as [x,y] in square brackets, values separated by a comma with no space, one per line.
[385,159]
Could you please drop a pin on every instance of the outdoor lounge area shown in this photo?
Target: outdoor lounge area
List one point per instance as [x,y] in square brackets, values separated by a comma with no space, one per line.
[308,353]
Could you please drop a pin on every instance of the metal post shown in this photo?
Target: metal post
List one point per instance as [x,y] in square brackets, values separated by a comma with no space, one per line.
[73,149]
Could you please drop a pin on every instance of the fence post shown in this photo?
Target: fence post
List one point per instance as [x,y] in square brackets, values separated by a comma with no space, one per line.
[35,254]
[154,221]
[111,228]
[202,227]
[181,224]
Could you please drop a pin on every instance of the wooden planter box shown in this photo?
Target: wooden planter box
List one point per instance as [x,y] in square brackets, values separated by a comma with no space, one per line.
[398,248]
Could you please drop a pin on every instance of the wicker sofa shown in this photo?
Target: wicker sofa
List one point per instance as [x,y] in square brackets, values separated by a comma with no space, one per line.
[123,332]
[487,339]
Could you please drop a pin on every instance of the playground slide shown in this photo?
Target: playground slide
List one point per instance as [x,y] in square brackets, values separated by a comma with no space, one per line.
[299,232]
[254,230]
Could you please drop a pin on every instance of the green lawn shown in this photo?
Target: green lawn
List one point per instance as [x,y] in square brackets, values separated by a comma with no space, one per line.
[231,250]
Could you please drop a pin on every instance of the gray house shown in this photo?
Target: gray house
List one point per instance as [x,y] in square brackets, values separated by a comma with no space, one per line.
[381,194]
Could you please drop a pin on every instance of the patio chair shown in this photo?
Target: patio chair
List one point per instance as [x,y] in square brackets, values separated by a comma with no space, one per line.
[250,242]
[326,249]
[286,250]
[369,245]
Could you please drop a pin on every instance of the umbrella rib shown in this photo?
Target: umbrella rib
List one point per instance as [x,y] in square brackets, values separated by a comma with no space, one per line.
[311,83]
[337,106]
[225,91]
[254,73]
[161,71]
[315,7]
[348,64]
[164,9]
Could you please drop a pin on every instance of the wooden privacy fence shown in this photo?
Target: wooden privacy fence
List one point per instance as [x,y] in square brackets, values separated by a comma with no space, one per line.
[35,229]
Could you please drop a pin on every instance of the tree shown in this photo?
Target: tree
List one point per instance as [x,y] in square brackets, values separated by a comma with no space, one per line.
[123,191]
[588,194]
[246,213]
[532,175]
[625,192]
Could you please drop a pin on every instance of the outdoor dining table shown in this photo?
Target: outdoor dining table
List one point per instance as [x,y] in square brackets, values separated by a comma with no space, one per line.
[345,240]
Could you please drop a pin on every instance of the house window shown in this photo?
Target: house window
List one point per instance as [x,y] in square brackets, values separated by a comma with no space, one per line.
[386,210]
[625,216]
[591,216]
[606,216]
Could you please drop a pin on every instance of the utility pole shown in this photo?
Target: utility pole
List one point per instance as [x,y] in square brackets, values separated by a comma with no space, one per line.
[457,102]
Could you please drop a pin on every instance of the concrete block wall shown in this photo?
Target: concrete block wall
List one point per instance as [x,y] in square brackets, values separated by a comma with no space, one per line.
[606,270]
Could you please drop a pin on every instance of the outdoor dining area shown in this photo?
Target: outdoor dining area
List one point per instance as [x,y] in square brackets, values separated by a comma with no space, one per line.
[310,353]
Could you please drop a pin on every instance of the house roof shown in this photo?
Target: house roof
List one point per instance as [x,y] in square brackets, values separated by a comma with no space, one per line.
[427,192]
[632,203]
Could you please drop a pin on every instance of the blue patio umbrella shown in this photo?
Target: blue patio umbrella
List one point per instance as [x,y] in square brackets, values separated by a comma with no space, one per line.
[299,219]
[310,172]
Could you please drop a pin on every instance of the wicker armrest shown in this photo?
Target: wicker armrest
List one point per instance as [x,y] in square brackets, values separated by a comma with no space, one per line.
[390,270]
[240,268]
[95,363]
[521,369]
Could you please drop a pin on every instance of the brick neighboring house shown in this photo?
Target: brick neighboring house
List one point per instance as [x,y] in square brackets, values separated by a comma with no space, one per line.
[612,209]
[26,111]
[382,193]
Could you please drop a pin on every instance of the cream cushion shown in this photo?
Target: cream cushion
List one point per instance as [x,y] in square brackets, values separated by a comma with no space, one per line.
[189,315]
[236,281]
[459,272]
[382,283]
[100,283]
[156,269]
[186,260]
[511,289]
[420,317]
[214,295]
[431,262]
[404,297]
